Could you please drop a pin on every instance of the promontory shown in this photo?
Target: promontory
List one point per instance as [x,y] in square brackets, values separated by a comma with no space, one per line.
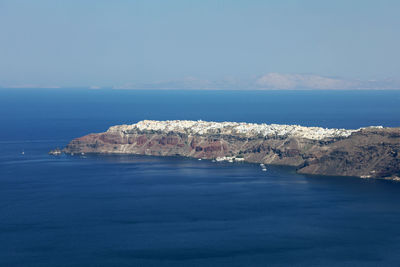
[371,152]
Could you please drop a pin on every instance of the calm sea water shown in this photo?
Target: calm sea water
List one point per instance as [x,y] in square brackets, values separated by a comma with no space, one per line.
[151,211]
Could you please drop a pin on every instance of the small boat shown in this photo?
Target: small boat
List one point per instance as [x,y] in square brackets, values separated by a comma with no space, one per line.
[262,165]
[199,159]
[264,169]
[23,153]
[55,152]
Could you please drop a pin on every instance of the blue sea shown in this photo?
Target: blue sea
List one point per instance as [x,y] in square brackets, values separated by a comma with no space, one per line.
[171,211]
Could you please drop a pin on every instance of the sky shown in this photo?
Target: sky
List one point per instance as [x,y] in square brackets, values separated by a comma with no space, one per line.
[123,43]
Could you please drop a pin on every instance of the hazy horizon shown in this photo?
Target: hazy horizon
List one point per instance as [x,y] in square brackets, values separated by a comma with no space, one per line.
[205,45]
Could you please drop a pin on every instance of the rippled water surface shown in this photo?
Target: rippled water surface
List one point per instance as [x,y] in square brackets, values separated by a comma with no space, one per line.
[152,211]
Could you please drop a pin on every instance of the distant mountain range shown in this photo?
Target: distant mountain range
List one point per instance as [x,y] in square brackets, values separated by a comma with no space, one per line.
[269,81]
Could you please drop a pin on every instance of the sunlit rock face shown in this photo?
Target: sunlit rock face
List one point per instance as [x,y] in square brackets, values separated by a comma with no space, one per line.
[367,152]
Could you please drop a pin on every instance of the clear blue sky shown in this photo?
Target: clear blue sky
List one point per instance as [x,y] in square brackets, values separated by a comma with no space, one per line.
[83,43]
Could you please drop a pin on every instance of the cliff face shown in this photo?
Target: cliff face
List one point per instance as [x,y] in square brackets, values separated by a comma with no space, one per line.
[368,152]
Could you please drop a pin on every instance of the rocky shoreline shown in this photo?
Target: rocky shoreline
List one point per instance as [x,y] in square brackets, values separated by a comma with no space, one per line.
[372,152]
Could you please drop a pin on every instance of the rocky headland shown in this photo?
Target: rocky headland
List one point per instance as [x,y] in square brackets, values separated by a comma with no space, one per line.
[372,152]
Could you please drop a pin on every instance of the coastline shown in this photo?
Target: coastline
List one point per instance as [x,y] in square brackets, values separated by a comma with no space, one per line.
[372,152]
